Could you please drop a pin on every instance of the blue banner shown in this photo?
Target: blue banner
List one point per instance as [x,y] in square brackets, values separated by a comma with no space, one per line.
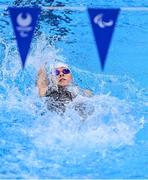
[103,23]
[24,21]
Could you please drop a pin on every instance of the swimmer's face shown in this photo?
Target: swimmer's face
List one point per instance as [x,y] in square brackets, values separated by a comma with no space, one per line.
[64,77]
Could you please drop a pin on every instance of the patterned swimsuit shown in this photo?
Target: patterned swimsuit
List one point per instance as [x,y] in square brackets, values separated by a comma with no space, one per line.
[57,99]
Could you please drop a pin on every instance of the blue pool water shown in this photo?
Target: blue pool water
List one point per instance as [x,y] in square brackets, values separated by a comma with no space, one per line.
[113,141]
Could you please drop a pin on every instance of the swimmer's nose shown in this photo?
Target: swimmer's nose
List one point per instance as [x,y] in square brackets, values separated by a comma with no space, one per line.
[61,74]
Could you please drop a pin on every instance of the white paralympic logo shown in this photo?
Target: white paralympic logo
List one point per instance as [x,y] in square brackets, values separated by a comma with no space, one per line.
[24,24]
[102,24]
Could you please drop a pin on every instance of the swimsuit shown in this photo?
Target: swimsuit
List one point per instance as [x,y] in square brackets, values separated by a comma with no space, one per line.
[57,99]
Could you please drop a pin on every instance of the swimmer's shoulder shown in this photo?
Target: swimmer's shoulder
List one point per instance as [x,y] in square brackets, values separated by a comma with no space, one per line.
[76,90]
[84,92]
[50,90]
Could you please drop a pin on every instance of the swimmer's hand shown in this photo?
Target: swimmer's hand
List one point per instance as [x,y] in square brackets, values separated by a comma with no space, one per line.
[42,72]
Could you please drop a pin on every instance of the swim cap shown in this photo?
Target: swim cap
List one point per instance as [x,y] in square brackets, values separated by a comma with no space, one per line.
[56,65]
[60,64]
[53,67]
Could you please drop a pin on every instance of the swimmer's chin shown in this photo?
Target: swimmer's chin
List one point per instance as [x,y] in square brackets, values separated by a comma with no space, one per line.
[63,84]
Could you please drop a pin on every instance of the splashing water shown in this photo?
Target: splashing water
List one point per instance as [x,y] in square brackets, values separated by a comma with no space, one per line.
[46,145]
[108,141]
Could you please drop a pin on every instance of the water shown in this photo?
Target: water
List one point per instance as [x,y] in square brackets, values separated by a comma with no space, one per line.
[110,143]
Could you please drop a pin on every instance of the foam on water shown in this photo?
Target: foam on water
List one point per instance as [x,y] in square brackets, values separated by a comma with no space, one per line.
[34,140]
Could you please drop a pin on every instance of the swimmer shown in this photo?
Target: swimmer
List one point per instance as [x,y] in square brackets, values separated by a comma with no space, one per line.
[58,87]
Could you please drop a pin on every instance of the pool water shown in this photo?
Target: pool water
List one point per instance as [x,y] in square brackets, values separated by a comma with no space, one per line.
[110,143]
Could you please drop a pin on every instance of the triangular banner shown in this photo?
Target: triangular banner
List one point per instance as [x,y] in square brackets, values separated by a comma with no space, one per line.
[24,21]
[103,23]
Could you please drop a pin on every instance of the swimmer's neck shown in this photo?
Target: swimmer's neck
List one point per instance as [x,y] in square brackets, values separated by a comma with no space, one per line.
[65,87]
[62,87]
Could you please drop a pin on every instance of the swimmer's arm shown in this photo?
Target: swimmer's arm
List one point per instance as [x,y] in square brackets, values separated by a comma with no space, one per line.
[42,82]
